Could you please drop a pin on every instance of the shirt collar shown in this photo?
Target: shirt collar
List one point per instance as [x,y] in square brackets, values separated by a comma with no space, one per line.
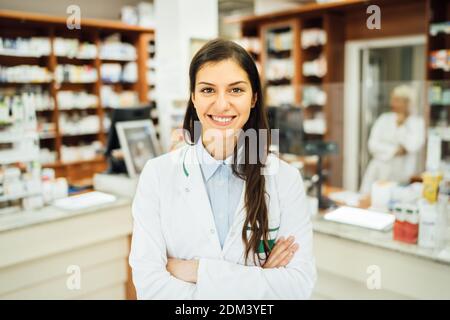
[208,163]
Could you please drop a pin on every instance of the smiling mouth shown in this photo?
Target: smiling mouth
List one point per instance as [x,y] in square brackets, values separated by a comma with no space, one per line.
[222,120]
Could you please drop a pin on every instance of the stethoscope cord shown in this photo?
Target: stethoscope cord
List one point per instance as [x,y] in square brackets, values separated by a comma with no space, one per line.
[186,173]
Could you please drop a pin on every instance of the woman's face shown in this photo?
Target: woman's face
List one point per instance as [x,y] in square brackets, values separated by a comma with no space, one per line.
[400,105]
[223,96]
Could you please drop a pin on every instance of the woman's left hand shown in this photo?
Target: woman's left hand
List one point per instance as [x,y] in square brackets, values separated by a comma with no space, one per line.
[185,270]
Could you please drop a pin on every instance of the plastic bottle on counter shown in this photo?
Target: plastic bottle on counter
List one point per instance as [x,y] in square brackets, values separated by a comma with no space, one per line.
[399,223]
[411,224]
[428,224]
[433,211]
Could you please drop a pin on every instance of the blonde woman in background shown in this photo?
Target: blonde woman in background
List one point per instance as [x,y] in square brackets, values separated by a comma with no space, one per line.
[395,141]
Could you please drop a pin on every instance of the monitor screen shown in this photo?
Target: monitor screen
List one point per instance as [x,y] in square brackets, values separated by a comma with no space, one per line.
[120,115]
[289,122]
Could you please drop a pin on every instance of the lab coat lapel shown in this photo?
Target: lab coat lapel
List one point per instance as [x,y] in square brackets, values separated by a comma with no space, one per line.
[195,194]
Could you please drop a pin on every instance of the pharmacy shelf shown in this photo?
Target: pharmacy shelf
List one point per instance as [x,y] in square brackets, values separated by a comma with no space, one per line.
[69,83]
[64,59]
[443,133]
[5,198]
[6,137]
[47,135]
[12,53]
[437,12]
[113,60]
[5,83]
[14,158]
[79,134]
[94,31]
[76,162]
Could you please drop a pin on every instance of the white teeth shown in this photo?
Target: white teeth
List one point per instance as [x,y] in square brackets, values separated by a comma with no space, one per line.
[222,119]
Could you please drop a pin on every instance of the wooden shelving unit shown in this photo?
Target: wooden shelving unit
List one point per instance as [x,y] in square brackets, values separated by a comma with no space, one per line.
[25,25]
[438,107]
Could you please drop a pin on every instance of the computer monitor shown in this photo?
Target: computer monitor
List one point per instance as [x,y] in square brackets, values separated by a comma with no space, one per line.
[120,115]
[288,119]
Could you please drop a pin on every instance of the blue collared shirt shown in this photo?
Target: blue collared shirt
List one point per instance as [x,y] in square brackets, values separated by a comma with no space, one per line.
[223,187]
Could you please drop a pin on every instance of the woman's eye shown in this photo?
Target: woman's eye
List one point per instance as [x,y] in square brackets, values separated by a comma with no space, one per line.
[207,90]
[237,90]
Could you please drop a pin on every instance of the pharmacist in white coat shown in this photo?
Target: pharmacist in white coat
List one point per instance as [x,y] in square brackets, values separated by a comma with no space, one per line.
[201,231]
[395,141]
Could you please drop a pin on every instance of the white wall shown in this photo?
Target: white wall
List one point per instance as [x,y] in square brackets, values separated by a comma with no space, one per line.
[177,22]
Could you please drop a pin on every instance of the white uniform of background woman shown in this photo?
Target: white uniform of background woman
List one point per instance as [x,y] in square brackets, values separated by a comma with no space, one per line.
[395,141]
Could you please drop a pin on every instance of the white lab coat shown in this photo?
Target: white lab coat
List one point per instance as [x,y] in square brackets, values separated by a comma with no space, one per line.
[384,141]
[173,218]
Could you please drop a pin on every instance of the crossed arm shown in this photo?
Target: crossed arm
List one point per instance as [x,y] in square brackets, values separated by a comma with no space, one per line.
[280,256]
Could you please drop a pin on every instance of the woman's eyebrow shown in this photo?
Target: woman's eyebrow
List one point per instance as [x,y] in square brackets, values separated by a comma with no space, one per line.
[231,84]
[237,82]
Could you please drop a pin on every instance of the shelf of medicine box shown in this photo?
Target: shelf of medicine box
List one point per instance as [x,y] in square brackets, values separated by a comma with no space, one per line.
[80,134]
[315,47]
[438,74]
[76,162]
[309,111]
[75,83]
[9,157]
[74,110]
[74,60]
[443,133]
[312,80]
[44,111]
[116,60]
[443,69]
[77,86]
[279,82]
[13,53]
[6,137]
[112,83]
[47,135]
[6,84]
[437,106]
[442,24]
[312,52]
[4,198]
[279,54]
[440,41]
[10,61]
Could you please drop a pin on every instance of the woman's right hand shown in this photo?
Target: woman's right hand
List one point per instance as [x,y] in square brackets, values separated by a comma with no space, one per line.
[281,253]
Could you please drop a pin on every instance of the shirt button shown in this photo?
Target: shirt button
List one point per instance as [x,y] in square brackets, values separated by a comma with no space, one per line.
[186,189]
[212,231]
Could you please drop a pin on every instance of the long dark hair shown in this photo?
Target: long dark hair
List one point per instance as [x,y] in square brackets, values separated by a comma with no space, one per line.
[256,220]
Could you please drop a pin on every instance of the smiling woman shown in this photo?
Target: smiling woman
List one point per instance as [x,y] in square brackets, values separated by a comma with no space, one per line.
[208,222]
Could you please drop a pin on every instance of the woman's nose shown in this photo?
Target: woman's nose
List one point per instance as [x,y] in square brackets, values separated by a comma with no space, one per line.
[222,102]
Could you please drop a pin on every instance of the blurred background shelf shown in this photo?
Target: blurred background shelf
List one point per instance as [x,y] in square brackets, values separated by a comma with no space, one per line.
[93,33]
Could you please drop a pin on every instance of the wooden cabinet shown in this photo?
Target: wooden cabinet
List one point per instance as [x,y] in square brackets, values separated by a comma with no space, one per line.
[26,25]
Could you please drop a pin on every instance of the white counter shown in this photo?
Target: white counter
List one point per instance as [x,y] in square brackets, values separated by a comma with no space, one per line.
[42,251]
[348,257]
